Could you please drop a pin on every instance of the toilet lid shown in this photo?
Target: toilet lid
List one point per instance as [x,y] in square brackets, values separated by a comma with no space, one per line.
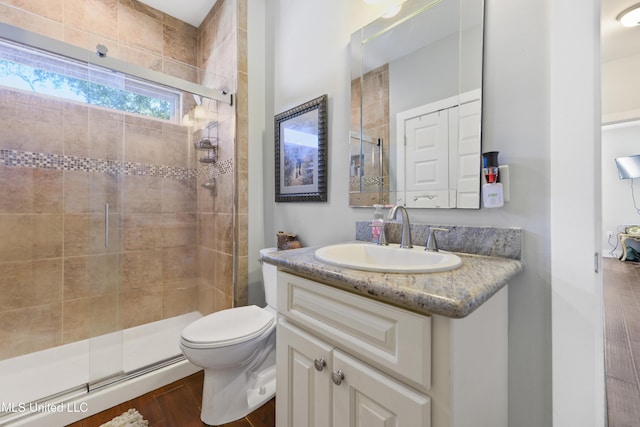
[228,327]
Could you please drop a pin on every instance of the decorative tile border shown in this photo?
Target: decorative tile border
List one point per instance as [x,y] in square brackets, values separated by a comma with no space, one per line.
[366,180]
[28,159]
[207,171]
[222,167]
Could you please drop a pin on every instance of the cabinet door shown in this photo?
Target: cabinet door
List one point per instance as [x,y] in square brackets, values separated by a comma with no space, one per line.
[368,398]
[303,378]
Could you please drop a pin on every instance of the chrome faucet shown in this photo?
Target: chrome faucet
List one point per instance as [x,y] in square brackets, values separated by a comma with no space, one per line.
[406,226]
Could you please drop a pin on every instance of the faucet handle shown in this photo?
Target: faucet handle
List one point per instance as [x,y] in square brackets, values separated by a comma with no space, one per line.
[382,237]
[432,243]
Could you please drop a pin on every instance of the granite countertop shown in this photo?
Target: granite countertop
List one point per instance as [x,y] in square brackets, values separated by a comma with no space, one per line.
[455,293]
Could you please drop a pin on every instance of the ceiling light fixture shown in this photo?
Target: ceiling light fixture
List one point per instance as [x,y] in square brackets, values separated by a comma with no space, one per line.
[390,9]
[630,17]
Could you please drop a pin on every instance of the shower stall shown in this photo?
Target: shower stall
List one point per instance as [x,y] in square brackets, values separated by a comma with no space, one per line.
[117,225]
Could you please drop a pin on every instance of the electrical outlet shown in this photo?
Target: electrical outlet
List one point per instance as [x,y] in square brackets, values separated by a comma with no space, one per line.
[609,234]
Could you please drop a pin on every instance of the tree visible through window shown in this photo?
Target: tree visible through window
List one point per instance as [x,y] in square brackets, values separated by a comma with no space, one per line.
[52,75]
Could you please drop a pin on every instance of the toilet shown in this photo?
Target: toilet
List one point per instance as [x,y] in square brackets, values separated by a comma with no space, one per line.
[237,350]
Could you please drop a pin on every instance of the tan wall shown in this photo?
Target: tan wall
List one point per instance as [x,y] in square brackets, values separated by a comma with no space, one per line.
[60,163]
[222,57]
[174,239]
[132,31]
[375,124]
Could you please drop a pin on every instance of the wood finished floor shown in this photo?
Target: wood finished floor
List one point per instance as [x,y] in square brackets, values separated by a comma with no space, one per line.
[178,405]
[622,341]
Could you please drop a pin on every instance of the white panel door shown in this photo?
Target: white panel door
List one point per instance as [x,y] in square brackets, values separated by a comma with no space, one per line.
[427,157]
[468,173]
[303,390]
[368,398]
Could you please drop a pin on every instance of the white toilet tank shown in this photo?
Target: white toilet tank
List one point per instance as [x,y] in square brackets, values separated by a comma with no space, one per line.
[269,277]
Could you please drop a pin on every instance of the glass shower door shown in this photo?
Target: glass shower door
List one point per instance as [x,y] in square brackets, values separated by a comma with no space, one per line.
[105,164]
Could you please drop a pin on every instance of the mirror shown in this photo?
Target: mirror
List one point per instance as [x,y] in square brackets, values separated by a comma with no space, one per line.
[416,98]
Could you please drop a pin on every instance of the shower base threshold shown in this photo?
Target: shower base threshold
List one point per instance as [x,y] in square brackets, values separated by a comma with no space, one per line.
[33,384]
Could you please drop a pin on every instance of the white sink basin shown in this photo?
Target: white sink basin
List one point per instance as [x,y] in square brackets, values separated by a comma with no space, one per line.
[391,259]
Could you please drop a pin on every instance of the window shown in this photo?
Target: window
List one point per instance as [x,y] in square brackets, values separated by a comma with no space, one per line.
[53,75]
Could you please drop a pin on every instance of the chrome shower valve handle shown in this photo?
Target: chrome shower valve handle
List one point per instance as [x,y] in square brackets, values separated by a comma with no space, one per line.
[432,244]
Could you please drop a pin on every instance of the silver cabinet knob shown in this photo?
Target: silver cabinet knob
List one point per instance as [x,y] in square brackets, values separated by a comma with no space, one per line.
[319,363]
[337,377]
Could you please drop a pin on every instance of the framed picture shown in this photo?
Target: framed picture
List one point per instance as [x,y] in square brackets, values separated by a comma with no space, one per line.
[301,152]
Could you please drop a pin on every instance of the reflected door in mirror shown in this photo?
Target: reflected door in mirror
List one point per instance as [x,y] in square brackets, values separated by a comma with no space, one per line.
[426,160]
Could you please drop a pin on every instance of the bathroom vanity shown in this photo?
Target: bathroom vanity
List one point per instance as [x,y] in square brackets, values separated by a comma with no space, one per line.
[359,348]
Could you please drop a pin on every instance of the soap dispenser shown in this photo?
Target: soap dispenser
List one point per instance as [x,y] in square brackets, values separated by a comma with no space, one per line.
[377,223]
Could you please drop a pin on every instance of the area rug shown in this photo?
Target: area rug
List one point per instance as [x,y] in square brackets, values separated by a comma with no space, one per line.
[131,418]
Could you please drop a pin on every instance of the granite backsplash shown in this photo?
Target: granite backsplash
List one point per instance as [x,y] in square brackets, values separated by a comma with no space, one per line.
[489,241]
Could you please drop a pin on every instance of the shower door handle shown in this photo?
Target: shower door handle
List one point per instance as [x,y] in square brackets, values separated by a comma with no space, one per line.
[106,225]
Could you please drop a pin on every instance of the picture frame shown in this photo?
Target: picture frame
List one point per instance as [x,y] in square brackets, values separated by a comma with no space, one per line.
[301,152]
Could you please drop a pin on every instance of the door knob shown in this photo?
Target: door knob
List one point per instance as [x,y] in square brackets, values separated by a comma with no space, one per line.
[319,363]
[337,377]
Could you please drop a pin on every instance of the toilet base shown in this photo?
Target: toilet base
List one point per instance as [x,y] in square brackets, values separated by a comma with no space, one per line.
[238,398]
[263,390]
[231,394]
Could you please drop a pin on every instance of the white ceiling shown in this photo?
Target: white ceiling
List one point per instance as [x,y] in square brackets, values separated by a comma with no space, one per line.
[190,11]
[617,41]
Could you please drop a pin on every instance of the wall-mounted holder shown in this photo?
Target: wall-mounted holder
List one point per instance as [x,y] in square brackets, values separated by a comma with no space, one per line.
[503,173]
[496,194]
[495,187]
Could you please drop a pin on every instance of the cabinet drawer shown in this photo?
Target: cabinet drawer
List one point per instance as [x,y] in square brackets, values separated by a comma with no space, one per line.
[396,341]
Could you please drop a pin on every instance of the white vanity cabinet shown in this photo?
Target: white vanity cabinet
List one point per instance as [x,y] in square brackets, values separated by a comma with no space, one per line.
[326,387]
[344,360]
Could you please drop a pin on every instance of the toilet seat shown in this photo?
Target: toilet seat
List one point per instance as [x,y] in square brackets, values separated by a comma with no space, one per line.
[228,327]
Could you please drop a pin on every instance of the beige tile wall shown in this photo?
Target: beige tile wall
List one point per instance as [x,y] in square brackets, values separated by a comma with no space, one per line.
[171,241]
[242,158]
[131,30]
[56,275]
[373,106]
[222,57]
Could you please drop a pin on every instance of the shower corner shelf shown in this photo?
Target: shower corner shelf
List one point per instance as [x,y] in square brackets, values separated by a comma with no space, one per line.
[207,143]
[210,146]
